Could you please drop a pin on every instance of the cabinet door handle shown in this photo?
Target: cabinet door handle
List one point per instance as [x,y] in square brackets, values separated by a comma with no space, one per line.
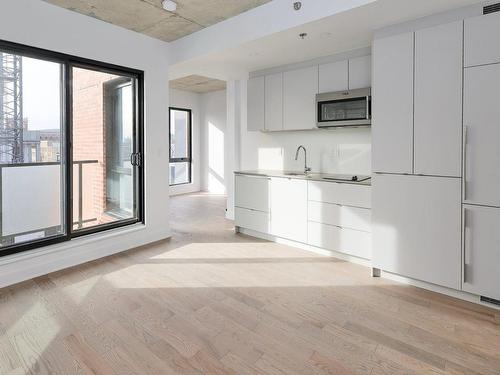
[464,163]
[467,244]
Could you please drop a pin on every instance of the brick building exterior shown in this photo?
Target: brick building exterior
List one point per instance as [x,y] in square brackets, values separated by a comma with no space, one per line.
[89,143]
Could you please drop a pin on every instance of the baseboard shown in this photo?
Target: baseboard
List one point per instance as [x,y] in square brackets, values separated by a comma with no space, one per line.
[303,246]
[28,265]
[459,294]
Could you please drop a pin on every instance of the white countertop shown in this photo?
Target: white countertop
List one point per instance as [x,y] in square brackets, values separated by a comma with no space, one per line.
[323,177]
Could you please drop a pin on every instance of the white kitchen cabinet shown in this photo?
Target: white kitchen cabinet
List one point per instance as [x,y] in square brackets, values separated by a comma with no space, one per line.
[252,192]
[255,104]
[392,122]
[340,193]
[481,119]
[416,227]
[360,72]
[481,251]
[333,76]
[438,100]
[481,40]
[340,215]
[343,240]
[289,208]
[250,219]
[299,98]
[274,102]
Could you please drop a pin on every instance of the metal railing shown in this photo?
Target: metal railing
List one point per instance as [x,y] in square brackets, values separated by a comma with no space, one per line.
[80,220]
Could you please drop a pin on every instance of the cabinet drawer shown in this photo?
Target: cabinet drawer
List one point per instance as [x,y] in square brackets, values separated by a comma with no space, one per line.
[343,240]
[250,219]
[339,193]
[252,192]
[342,216]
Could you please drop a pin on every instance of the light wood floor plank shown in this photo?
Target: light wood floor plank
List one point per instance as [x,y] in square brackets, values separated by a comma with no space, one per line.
[210,301]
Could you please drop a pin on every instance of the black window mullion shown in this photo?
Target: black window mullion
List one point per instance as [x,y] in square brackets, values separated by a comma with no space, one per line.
[68,120]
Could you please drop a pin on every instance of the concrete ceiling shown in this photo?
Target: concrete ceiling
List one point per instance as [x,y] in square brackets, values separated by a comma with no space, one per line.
[331,35]
[148,16]
[198,84]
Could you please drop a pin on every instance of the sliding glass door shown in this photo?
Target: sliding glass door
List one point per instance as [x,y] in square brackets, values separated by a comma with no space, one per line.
[70,147]
[104,151]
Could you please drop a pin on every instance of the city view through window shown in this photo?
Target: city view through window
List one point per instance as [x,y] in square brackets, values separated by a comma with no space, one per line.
[30,110]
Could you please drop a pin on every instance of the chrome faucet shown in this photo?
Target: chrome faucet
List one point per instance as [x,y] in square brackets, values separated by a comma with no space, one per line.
[306,168]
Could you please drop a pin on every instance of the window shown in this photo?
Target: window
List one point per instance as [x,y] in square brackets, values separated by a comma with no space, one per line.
[32,179]
[70,147]
[180,146]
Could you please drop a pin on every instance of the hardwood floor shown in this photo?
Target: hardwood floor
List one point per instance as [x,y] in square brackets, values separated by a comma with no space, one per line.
[212,302]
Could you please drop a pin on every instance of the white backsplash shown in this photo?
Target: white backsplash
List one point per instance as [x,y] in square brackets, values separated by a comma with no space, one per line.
[328,150]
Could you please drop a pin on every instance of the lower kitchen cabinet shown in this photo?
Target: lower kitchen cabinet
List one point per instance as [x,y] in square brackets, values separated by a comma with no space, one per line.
[340,193]
[416,225]
[340,215]
[252,192]
[482,251]
[339,218]
[251,219]
[328,215]
[343,240]
[289,208]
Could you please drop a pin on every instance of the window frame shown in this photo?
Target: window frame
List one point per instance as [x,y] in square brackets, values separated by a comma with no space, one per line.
[67,63]
[189,159]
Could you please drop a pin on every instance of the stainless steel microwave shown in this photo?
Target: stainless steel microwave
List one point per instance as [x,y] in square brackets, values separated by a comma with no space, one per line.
[344,108]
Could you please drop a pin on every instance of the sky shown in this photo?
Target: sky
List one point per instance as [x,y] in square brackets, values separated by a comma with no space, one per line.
[41,94]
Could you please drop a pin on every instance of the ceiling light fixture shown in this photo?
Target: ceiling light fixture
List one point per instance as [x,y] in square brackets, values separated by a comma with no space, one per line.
[302,35]
[169,5]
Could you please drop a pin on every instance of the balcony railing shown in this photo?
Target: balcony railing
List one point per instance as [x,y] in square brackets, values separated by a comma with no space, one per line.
[30,199]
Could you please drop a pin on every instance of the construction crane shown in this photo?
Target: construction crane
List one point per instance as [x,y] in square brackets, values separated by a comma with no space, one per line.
[11,108]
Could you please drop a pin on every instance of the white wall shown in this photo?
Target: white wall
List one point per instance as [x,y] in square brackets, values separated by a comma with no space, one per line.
[39,24]
[189,100]
[213,133]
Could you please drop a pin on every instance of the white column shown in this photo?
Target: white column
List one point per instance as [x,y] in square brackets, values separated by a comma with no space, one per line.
[236,101]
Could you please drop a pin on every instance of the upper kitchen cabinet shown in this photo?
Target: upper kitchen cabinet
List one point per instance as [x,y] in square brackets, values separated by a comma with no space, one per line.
[481,136]
[255,104]
[299,98]
[333,76]
[416,224]
[392,122]
[481,40]
[360,72]
[438,100]
[273,111]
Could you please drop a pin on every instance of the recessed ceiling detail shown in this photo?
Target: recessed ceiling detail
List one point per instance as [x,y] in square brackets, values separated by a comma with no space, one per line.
[198,84]
[149,17]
